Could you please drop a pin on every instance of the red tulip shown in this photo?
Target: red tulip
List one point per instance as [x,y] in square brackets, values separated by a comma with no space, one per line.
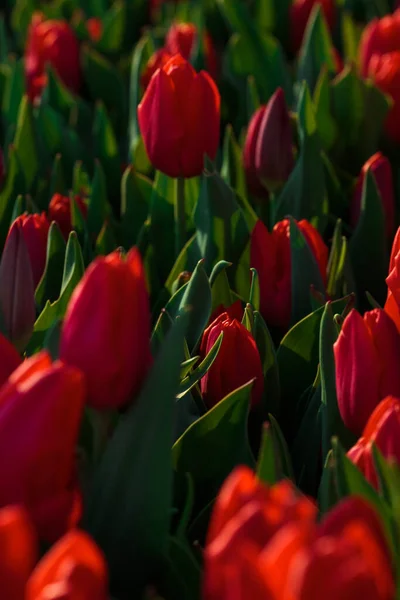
[94,27]
[366,365]
[40,413]
[60,212]
[179,119]
[35,229]
[380,36]
[383,431]
[270,256]
[106,331]
[9,359]
[263,543]
[157,61]
[393,281]
[55,43]
[238,361]
[74,569]
[299,15]
[268,149]
[181,39]
[384,70]
[382,171]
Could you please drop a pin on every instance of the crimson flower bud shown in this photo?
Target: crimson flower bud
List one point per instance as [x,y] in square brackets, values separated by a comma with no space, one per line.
[179,119]
[35,229]
[366,365]
[111,300]
[238,361]
[270,255]
[51,42]
[268,149]
[60,211]
[380,167]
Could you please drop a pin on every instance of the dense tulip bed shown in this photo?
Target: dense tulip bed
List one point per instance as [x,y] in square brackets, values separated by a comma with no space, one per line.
[200,300]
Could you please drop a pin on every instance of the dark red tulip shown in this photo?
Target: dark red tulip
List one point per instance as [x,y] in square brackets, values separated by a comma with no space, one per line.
[392,305]
[384,70]
[380,36]
[60,211]
[55,43]
[179,119]
[300,12]
[238,361]
[106,330]
[35,229]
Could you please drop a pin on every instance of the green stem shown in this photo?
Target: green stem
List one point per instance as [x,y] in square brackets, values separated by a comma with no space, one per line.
[180,216]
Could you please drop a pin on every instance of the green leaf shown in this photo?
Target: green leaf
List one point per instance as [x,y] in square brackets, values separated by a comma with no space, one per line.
[136,193]
[128,517]
[183,578]
[269,362]
[114,22]
[348,105]
[337,261]
[221,293]
[105,242]
[98,209]
[326,124]
[57,180]
[14,185]
[14,92]
[273,462]
[197,295]
[106,148]
[194,377]
[232,170]
[25,143]
[50,283]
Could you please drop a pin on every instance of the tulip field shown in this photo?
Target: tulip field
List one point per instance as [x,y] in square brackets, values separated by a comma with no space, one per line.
[200,300]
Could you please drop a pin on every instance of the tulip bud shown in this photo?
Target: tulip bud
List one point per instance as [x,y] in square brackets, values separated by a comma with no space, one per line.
[268,150]
[35,229]
[238,361]
[17,293]
[384,70]
[380,167]
[299,15]
[74,564]
[181,39]
[366,365]
[157,61]
[111,300]
[40,414]
[383,431]
[393,281]
[94,27]
[270,255]
[60,212]
[51,42]
[380,36]
[179,119]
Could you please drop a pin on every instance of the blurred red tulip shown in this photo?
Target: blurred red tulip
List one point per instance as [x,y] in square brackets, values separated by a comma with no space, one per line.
[382,171]
[393,282]
[55,43]
[35,229]
[380,36]
[9,358]
[106,330]
[157,61]
[383,431]
[94,27]
[270,256]
[179,119]
[40,414]
[17,293]
[299,15]
[366,357]
[268,150]
[384,70]
[238,361]
[60,211]
[182,38]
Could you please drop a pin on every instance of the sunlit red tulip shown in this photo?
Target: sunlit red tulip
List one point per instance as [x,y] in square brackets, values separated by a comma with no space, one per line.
[35,229]
[106,330]
[182,38]
[382,171]
[268,150]
[40,413]
[393,282]
[384,70]
[366,356]
[383,431]
[55,43]
[299,14]
[270,255]
[60,211]
[380,36]
[179,119]
[238,361]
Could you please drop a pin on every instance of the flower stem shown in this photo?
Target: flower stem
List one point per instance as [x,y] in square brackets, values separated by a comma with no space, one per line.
[180,215]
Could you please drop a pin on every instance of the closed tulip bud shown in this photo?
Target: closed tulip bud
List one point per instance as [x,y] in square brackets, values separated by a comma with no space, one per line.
[384,70]
[393,282]
[238,361]
[179,119]
[181,39]
[17,293]
[35,229]
[270,255]
[380,36]
[111,300]
[18,551]
[156,61]
[366,365]
[41,408]
[383,431]
[74,568]
[299,15]
[60,211]
[268,149]
[382,171]
[52,43]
